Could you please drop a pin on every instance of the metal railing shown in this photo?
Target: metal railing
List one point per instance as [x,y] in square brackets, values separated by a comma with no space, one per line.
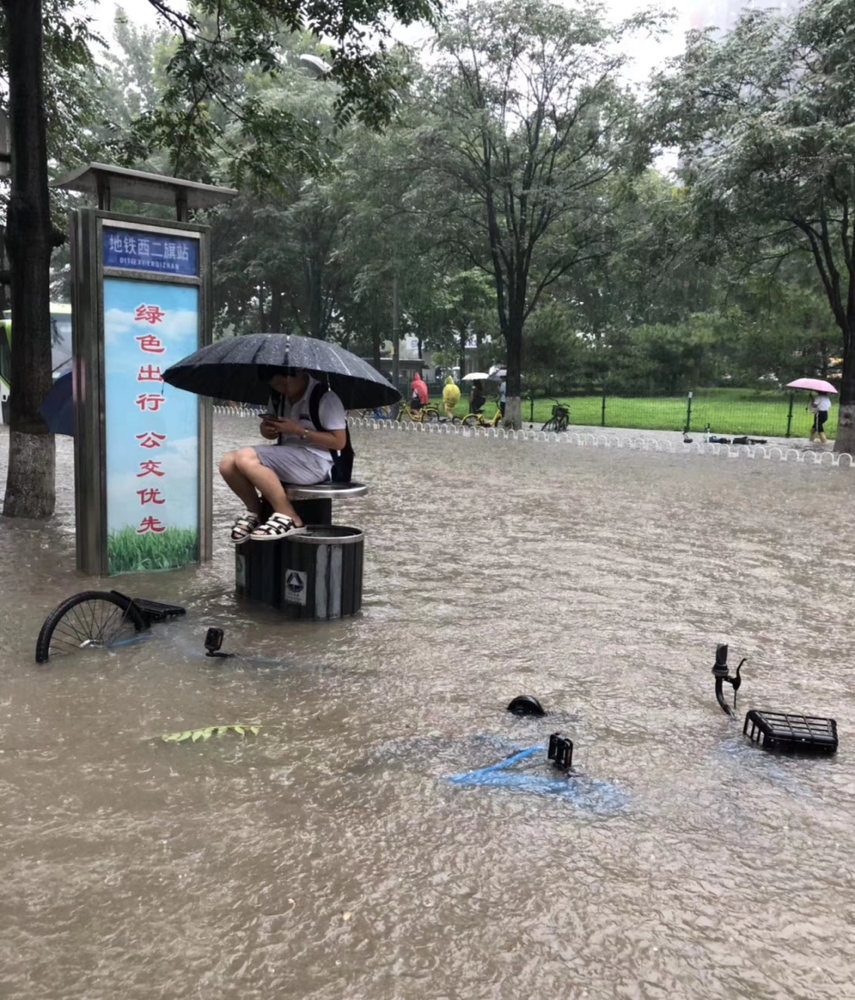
[731,412]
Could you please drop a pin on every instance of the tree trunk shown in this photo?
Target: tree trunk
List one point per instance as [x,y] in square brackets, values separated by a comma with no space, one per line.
[4,294]
[464,330]
[316,304]
[824,359]
[845,440]
[30,488]
[513,343]
[275,308]
[376,341]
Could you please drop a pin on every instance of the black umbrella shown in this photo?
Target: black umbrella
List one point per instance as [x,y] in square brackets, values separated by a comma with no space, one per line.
[239,368]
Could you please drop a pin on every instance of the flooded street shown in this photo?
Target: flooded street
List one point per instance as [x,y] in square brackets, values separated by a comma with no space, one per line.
[329,856]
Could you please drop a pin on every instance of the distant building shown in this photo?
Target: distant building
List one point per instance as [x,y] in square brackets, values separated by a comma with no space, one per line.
[723,14]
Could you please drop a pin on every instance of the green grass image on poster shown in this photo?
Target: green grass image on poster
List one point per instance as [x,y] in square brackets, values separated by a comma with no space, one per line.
[129,552]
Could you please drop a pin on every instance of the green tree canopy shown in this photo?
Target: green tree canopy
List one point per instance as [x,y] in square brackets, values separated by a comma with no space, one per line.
[765,123]
[528,126]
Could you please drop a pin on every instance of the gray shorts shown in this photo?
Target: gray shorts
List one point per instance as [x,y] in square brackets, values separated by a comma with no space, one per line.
[293,464]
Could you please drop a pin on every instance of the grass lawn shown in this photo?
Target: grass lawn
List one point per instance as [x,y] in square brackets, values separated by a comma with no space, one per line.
[129,552]
[727,411]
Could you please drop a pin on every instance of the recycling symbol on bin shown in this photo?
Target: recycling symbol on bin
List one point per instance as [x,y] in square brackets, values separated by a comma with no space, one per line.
[294,582]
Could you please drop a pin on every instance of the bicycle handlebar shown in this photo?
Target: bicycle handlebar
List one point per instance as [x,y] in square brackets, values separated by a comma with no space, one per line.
[559,406]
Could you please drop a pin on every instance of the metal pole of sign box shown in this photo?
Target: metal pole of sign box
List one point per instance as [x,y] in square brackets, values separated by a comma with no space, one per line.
[143,453]
[141,299]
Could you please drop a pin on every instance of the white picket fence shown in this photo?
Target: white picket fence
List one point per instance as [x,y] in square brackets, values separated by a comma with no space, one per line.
[769,452]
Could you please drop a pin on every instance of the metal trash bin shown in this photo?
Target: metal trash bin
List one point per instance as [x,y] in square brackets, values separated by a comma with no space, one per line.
[317,575]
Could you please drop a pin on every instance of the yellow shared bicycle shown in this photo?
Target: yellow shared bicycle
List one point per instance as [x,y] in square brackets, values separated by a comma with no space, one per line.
[427,414]
[479,420]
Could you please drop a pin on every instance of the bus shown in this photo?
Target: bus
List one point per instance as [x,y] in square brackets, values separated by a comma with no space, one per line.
[60,336]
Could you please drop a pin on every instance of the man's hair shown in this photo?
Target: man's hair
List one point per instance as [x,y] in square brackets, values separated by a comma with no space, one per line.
[274,372]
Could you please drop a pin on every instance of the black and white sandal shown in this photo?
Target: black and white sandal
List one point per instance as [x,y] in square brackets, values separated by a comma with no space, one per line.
[278,526]
[244,527]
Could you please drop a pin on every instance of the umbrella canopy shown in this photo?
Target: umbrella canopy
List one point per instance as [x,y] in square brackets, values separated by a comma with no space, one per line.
[475,377]
[58,408]
[240,368]
[816,384]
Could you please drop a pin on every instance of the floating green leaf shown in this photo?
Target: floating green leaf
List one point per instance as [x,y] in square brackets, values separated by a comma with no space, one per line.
[194,735]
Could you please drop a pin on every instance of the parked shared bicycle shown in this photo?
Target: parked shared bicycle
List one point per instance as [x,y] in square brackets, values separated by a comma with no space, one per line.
[560,419]
[478,419]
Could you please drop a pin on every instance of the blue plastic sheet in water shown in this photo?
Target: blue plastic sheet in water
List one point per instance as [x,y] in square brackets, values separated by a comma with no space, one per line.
[590,794]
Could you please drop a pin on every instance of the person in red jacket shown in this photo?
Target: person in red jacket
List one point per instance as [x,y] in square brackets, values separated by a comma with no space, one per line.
[418,393]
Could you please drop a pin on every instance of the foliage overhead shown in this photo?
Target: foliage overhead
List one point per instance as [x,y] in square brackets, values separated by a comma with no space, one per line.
[70,101]
[220,41]
[508,198]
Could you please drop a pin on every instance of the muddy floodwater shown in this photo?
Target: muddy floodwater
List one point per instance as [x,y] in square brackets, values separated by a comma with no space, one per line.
[330,856]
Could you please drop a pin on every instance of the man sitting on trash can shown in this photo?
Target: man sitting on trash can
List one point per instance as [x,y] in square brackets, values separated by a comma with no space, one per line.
[301,455]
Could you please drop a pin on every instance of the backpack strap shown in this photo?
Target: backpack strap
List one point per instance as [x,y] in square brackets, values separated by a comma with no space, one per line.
[315,405]
[342,460]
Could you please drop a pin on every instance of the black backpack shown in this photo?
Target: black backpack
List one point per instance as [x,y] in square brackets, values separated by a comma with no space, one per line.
[342,467]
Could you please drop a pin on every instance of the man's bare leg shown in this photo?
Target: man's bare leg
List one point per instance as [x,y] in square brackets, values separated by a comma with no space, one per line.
[238,483]
[266,482]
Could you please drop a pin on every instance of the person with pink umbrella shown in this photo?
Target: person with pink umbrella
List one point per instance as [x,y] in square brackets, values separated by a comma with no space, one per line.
[819,406]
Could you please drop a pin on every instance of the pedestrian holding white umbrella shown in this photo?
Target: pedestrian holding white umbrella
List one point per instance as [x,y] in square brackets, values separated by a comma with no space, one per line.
[819,405]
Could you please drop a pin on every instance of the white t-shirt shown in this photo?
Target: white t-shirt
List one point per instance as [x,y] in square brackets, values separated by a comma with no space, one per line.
[821,403]
[330,412]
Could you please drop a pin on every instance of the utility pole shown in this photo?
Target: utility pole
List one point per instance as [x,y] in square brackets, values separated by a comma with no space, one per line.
[396,334]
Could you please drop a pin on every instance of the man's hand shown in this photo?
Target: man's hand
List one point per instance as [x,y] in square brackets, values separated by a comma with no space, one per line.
[272,426]
[268,427]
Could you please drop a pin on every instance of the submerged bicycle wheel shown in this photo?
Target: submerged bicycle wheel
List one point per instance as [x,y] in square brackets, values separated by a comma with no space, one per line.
[93,619]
